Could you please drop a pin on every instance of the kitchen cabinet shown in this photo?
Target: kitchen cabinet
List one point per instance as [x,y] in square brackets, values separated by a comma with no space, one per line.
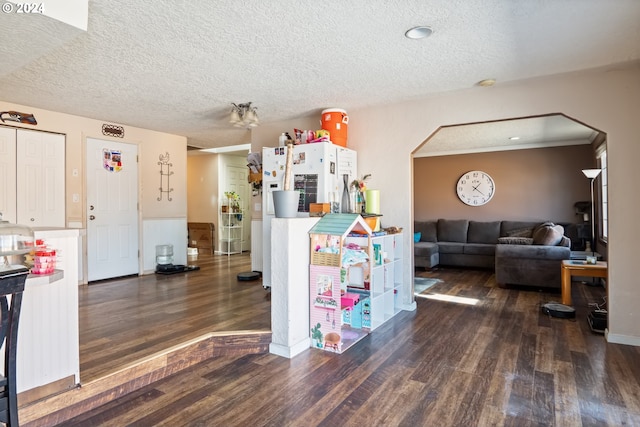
[33,168]
[48,358]
[8,174]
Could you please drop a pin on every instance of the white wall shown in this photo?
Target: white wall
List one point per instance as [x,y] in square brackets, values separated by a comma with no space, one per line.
[385,137]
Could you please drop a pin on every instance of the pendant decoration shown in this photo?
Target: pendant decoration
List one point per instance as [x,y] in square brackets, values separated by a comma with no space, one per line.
[14,116]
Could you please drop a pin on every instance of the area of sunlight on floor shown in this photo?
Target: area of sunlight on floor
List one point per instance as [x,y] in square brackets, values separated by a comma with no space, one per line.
[450,298]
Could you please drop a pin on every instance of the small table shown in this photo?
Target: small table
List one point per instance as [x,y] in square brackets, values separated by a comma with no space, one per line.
[579,268]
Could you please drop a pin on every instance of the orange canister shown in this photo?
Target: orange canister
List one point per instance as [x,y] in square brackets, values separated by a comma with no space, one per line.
[336,121]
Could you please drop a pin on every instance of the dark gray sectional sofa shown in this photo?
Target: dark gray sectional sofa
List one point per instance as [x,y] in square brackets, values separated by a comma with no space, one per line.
[527,253]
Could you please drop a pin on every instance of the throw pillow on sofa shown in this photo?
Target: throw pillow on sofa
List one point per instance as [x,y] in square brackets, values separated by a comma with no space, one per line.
[520,232]
[427,229]
[416,237]
[515,240]
[548,234]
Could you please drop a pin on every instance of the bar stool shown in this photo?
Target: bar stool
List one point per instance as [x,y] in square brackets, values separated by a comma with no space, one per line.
[11,284]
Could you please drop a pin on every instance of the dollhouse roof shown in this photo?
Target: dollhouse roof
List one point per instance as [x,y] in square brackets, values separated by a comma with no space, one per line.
[340,225]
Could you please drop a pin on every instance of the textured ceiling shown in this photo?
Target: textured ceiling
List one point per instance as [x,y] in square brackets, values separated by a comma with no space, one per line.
[177,66]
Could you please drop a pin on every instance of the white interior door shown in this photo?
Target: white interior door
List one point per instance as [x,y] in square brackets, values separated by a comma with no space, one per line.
[112,209]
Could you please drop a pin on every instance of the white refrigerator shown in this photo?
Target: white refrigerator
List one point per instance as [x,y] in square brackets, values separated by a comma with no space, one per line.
[320,173]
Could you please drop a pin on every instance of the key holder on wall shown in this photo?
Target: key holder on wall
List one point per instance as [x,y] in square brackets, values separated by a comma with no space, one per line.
[165,173]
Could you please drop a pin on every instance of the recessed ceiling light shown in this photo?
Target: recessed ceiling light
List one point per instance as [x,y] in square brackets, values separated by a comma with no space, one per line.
[419,32]
[514,138]
[487,82]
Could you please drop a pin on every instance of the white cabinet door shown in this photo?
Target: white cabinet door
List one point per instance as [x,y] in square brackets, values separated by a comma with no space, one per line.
[8,174]
[40,179]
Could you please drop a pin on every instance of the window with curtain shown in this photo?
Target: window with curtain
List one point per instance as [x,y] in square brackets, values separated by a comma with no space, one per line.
[601,155]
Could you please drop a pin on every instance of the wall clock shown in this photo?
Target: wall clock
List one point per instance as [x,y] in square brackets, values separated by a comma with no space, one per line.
[475,188]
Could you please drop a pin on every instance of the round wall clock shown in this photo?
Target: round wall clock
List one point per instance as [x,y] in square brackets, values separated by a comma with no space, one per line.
[475,188]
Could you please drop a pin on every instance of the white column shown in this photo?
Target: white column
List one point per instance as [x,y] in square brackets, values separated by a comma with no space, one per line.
[290,285]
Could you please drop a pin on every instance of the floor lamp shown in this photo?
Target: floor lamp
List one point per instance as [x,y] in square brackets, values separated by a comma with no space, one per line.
[592,174]
[560,310]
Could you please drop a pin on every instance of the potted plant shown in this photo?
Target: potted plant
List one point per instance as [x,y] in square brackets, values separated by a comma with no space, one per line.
[233,200]
[316,336]
[285,201]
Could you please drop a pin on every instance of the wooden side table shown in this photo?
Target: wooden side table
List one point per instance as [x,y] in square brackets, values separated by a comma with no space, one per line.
[579,268]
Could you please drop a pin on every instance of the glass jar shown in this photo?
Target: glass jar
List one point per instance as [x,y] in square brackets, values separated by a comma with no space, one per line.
[14,240]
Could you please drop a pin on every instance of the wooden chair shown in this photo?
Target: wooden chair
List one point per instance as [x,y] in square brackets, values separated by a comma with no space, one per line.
[11,284]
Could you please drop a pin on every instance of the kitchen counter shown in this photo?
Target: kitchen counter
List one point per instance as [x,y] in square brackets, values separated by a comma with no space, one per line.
[48,335]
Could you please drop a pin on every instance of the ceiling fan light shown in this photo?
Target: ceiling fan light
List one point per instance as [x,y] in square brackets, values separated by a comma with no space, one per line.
[235,116]
[243,115]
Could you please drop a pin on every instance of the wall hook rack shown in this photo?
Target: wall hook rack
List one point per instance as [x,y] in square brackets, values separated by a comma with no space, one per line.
[165,173]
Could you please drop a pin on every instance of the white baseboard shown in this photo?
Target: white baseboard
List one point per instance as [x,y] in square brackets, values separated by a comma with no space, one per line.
[409,307]
[621,339]
[289,352]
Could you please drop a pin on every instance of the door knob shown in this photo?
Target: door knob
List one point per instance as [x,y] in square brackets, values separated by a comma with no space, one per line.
[92,217]
[91,208]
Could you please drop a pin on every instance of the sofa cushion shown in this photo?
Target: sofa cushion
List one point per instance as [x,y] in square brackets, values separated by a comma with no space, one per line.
[424,249]
[451,247]
[548,234]
[427,229]
[453,230]
[533,252]
[515,240]
[517,228]
[479,249]
[483,232]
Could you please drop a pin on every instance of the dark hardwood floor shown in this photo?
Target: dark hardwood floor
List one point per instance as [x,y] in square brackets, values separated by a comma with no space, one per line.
[499,362]
[128,319]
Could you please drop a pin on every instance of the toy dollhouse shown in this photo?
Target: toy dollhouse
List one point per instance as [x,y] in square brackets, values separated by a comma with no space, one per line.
[353,280]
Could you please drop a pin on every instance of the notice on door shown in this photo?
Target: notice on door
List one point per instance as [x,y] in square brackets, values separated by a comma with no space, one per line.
[112,160]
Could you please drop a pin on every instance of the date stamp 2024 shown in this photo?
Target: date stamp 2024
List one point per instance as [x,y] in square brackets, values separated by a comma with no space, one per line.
[19,8]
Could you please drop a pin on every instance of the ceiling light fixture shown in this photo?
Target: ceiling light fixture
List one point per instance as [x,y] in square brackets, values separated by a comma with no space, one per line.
[487,82]
[514,138]
[244,115]
[419,32]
